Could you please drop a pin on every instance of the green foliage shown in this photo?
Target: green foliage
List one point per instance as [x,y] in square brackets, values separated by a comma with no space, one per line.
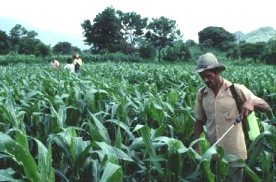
[112,172]
[196,51]
[113,57]
[21,156]
[42,50]
[20,153]
[105,32]
[178,51]
[75,50]
[270,58]
[23,41]
[4,43]
[234,52]
[162,32]
[15,35]
[63,48]
[271,45]
[254,51]
[119,121]
[28,45]
[14,58]
[216,37]
[147,51]
[191,43]
[132,29]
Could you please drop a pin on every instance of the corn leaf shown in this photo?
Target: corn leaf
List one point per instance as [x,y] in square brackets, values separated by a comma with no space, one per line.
[112,172]
[20,155]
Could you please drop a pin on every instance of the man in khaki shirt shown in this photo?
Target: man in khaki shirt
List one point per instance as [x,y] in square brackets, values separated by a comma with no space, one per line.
[216,108]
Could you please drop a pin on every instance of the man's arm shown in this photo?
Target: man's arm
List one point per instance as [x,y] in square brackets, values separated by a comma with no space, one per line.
[198,129]
[261,105]
[252,104]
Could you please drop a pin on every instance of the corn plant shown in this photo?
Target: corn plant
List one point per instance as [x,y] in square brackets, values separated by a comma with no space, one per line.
[119,122]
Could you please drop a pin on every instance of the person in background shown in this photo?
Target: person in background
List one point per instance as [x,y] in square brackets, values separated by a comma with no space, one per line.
[77,61]
[216,108]
[70,66]
[55,64]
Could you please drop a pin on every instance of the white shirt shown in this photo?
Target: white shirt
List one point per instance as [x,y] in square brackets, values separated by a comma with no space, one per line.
[70,67]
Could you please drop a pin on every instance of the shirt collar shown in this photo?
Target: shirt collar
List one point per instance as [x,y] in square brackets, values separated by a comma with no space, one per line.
[226,84]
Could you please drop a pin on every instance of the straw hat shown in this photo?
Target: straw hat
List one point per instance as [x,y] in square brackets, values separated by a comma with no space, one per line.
[208,61]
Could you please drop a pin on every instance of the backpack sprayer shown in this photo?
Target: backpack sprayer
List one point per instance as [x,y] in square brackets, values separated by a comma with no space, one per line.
[251,127]
[250,124]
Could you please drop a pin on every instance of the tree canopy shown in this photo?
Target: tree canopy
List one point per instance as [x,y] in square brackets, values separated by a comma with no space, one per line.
[216,37]
[162,32]
[104,33]
[4,43]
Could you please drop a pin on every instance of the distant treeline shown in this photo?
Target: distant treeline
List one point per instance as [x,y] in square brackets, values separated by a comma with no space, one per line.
[118,33]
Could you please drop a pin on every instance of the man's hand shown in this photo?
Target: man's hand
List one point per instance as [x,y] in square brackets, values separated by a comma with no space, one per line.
[252,104]
[247,108]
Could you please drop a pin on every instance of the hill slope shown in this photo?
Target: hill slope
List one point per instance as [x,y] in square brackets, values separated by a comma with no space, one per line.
[263,34]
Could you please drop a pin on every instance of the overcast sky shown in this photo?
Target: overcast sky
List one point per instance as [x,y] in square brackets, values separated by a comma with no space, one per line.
[191,16]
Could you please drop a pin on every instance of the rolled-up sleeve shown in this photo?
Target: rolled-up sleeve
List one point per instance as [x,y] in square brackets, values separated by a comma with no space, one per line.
[246,93]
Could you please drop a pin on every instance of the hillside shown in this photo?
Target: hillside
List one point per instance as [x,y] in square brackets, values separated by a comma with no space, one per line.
[263,34]
[47,37]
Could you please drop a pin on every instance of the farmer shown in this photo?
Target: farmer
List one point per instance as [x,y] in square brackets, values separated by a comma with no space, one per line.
[55,64]
[77,61]
[70,66]
[216,108]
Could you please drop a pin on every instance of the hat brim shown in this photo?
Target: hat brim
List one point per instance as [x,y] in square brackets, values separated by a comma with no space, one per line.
[213,66]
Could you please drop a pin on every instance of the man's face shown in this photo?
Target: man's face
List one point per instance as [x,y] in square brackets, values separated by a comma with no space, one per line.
[210,78]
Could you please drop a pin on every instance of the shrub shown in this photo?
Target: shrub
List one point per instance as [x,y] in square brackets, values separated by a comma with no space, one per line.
[147,51]
[270,58]
[177,52]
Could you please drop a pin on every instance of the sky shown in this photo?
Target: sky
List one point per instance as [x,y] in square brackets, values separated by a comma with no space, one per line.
[191,16]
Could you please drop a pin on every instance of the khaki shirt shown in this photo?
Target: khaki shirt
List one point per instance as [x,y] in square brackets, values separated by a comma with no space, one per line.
[220,113]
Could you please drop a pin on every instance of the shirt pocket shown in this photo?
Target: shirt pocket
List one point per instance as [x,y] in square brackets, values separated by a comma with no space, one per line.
[228,108]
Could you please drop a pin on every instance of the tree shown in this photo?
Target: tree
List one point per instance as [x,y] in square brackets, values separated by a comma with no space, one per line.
[216,37]
[147,50]
[270,57]
[191,43]
[16,33]
[271,44]
[161,32]
[132,29]
[76,49]
[178,51]
[105,32]
[22,40]
[27,45]
[63,48]
[4,43]
[234,52]
[254,51]
[42,50]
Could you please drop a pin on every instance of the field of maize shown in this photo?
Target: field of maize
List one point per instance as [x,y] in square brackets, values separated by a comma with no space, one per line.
[120,122]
